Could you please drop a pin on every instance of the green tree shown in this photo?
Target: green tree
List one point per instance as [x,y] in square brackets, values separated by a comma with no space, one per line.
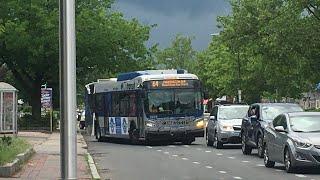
[180,55]
[277,43]
[29,37]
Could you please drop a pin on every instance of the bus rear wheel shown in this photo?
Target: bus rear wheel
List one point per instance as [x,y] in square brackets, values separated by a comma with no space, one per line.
[134,136]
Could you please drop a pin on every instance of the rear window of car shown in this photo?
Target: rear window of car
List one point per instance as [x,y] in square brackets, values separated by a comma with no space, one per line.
[270,112]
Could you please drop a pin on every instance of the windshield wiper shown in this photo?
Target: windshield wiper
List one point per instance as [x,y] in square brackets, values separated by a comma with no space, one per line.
[315,131]
[298,131]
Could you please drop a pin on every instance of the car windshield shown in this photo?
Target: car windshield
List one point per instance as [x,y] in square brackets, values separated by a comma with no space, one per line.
[232,112]
[305,123]
[270,112]
[174,101]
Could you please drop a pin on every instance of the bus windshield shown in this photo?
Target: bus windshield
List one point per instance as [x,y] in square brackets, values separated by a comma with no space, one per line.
[173,101]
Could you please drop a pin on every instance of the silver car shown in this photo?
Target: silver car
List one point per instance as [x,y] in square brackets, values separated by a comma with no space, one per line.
[224,125]
[294,140]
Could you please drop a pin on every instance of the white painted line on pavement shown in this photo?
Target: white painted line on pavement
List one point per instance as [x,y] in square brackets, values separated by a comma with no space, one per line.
[231,157]
[166,152]
[195,162]
[159,150]
[260,165]
[245,161]
[208,151]
[301,176]
[172,146]
[209,167]
[174,155]
[222,172]
[279,170]
[185,159]
[236,177]
[149,147]
[219,154]
[186,145]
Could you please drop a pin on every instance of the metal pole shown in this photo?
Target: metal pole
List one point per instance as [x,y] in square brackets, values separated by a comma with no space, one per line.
[68,90]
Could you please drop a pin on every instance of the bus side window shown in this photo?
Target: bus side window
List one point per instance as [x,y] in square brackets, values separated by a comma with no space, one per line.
[124,104]
[115,104]
[132,105]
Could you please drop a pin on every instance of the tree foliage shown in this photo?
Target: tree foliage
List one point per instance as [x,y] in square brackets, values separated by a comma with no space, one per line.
[277,43]
[29,44]
[180,55]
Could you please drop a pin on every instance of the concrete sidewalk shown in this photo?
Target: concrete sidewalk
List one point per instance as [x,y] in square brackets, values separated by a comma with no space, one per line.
[45,164]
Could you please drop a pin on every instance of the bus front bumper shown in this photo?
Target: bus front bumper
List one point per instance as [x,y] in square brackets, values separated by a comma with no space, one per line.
[174,135]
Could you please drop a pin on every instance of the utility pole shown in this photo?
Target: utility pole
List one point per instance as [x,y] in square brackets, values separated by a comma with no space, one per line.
[239,71]
[67,51]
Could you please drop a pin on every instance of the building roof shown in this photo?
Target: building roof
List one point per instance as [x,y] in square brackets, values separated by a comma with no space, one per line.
[6,87]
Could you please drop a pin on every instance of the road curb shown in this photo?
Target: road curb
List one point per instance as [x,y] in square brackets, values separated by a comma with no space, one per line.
[93,168]
[11,168]
[92,165]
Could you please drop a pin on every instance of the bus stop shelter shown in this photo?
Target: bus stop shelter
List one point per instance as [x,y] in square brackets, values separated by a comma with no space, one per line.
[8,108]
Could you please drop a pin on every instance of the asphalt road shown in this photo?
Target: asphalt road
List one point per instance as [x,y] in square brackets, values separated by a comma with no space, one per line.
[118,160]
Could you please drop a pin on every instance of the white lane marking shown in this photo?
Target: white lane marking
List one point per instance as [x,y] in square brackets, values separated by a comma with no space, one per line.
[172,146]
[209,167]
[219,154]
[159,150]
[149,147]
[174,155]
[186,145]
[199,149]
[208,151]
[301,176]
[245,161]
[279,170]
[185,159]
[236,177]
[195,162]
[222,172]
[231,157]
[259,165]
[166,152]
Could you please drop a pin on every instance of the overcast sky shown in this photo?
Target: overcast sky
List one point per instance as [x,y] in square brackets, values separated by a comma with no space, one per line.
[195,18]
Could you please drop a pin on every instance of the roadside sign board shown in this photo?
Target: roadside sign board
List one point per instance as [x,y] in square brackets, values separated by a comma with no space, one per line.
[46,100]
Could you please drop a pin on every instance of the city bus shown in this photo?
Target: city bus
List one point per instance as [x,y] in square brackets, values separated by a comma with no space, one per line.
[151,105]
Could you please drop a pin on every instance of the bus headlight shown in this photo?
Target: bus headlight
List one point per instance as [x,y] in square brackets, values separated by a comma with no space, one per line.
[200,123]
[150,124]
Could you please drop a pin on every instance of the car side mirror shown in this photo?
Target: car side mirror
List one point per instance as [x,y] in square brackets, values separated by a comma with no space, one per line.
[280,129]
[212,118]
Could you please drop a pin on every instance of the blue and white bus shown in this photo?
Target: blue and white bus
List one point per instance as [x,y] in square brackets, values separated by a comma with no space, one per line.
[146,105]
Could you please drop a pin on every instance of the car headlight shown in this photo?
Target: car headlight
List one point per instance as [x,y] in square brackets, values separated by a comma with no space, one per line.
[301,144]
[200,124]
[226,128]
[150,124]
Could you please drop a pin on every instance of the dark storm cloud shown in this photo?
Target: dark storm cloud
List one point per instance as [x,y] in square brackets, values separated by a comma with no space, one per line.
[195,18]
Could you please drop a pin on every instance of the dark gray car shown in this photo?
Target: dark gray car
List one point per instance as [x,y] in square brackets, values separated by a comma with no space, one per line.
[294,140]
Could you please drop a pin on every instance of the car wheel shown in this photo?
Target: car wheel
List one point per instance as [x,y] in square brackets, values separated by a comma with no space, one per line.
[260,147]
[246,150]
[288,161]
[208,141]
[218,144]
[266,159]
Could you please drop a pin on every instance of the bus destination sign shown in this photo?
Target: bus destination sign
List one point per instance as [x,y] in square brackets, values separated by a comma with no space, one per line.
[171,83]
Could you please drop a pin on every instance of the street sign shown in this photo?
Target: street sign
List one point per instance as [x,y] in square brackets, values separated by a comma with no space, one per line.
[46,100]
